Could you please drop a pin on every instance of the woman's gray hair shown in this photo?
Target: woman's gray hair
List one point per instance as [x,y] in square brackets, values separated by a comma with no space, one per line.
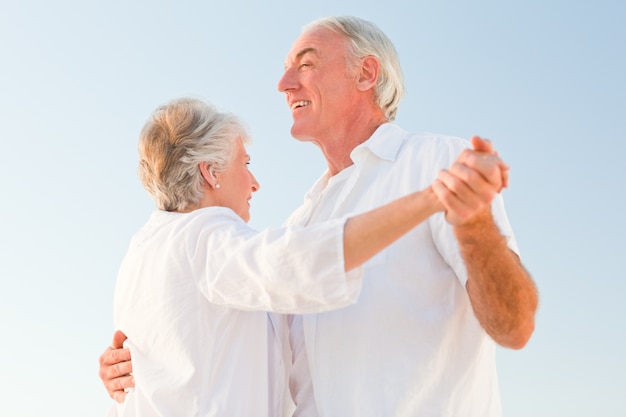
[176,139]
[368,40]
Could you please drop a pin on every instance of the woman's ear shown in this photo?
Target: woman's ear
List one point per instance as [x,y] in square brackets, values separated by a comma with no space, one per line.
[207,173]
[368,73]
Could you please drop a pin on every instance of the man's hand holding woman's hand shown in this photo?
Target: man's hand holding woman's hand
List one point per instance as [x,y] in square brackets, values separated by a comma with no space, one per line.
[468,187]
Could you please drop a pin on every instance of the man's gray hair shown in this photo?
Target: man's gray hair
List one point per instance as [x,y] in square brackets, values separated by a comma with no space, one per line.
[368,40]
[175,140]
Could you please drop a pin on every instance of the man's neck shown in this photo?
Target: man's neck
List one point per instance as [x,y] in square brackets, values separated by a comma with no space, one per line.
[337,149]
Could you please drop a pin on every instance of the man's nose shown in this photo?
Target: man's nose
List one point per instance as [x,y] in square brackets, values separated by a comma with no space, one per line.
[287,81]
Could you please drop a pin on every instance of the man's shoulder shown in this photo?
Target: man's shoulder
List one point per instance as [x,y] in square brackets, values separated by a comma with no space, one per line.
[436,140]
[431,145]
[391,142]
[419,138]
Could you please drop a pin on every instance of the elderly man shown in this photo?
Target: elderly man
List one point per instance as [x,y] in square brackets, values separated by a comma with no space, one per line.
[421,339]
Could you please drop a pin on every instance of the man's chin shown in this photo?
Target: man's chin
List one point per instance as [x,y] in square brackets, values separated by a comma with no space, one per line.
[300,134]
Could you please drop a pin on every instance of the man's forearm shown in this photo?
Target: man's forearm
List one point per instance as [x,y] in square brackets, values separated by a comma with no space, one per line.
[502,293]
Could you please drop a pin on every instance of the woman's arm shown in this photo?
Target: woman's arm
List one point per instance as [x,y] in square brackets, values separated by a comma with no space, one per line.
[367,234]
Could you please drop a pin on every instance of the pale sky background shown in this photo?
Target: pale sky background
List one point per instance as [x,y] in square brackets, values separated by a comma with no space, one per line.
[545,80]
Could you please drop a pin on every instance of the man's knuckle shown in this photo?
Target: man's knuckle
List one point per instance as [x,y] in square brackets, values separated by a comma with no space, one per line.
[117,384]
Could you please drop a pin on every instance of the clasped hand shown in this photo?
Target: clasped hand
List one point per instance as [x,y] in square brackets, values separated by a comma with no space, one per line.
[468,187]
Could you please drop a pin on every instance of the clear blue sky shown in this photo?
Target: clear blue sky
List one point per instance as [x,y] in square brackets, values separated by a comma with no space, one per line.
[545,80]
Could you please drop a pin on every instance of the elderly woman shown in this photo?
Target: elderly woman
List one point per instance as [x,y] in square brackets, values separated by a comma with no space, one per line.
[196,285]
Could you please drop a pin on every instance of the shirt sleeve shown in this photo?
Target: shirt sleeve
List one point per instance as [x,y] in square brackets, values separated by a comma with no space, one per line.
[286,270]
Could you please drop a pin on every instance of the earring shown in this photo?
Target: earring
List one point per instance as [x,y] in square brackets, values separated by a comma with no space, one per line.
[217,186]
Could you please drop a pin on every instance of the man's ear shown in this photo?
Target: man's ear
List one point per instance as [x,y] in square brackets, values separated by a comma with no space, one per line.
[207,173]
[368,73]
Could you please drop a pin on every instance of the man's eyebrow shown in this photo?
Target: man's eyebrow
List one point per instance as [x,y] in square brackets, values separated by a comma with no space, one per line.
[305,51]
[300,54]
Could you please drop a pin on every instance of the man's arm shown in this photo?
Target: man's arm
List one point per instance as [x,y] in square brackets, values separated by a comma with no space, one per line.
[116,368]
[502,293]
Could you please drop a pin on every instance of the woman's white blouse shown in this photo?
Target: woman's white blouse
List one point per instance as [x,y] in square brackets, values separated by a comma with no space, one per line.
[192,296]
